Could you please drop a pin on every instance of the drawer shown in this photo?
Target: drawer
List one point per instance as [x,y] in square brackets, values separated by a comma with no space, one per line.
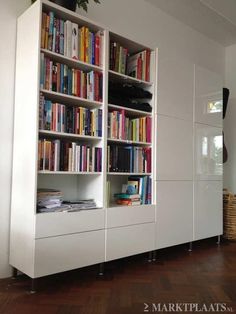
[130,215]
[53,224]
[130,240]
[57,254]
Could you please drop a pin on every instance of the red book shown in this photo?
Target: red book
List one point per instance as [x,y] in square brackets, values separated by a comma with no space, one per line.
[139,68]
[148,129]
[147,74]
[78,73]
[97,50]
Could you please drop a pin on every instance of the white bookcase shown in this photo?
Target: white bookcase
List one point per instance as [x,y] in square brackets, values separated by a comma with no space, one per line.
[47,243]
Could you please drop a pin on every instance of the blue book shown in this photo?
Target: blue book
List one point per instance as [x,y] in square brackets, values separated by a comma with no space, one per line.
[69,81]
[61,41]
[62,79]
[50,32]
[93,49]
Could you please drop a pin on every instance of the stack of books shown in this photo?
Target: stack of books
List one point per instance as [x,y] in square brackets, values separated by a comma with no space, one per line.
[70,40]
[61,78]
[49,200]
[127,199]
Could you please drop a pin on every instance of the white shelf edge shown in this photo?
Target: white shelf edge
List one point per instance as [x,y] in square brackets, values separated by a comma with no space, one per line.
[130,78]
[114,205]
[70,97]
[69,135]
[128,142]
[129,173]
[76,62]
[145,113]
[68,172]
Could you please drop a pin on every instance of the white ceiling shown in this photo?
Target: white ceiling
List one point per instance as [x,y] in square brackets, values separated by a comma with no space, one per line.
[214,18]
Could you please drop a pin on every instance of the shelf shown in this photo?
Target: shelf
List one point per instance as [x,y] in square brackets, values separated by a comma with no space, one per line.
[128,142]
[68,135]
[128,174]
[116,76]
[71,62]
[72,100]
[114,205]
[130,111]
[68,173]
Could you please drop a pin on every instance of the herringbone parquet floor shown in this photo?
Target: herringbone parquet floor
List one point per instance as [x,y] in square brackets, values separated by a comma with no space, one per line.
[206,275]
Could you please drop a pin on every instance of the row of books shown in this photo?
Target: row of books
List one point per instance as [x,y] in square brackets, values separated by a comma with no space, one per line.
[141,192]
[58,77]
[136,65]
[69,119]
[70,40]
[57,155]
[125,128]
[129,159]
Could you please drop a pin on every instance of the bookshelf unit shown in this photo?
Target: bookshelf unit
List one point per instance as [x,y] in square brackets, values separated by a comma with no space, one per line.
[47,243]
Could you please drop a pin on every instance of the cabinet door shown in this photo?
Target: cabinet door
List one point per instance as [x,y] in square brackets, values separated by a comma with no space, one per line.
[175,88]
[208,152]
[56,254]
[174,213]
[208,97]
[129,240]
[208,218]
[174,149]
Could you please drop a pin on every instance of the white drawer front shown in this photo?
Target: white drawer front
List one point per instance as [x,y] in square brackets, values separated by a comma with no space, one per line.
[53,224]
[130,215]
[57,254]
[130,240]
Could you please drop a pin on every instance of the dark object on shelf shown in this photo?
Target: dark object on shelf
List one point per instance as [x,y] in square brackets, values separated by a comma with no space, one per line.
[225,100]
[129,96]
[129,103]
[72,4]
[129,91]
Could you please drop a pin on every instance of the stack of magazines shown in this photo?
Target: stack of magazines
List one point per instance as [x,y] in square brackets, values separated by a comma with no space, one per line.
[50,200]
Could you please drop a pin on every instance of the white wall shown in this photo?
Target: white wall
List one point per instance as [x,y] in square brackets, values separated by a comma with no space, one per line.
[230,120]
[135,19]
[9,10]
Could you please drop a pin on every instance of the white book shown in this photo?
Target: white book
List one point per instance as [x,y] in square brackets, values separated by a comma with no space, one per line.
[88,158]
[74,41]
[68,25]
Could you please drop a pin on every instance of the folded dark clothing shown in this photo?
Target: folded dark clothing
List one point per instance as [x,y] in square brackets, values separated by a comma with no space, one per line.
[130,103]
[128,90]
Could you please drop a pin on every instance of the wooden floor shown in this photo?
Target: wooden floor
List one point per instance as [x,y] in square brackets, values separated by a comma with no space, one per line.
[206,275]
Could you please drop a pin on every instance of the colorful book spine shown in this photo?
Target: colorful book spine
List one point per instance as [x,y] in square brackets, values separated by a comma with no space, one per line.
[129,159]
[57,155]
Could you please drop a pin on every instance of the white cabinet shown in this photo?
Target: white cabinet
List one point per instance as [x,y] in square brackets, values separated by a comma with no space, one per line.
[174,149]
[62,109]
[175,88]
[208,97]
[174,213]
[208,152]
[208,214]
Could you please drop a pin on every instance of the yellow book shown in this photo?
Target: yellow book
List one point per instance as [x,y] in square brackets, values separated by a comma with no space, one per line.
[80,120]
[82,42]
[86,41]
